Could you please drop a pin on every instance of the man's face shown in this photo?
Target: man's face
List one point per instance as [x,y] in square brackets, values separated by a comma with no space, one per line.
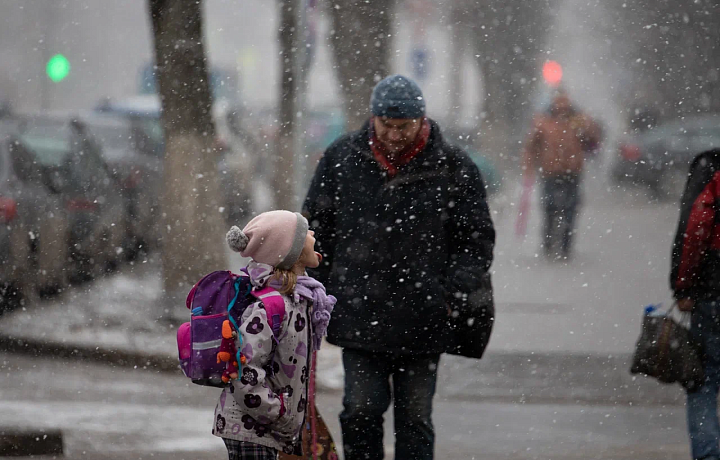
[396,133]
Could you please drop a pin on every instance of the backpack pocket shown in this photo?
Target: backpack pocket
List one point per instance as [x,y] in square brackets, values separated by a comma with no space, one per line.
[184,343]
[205,340]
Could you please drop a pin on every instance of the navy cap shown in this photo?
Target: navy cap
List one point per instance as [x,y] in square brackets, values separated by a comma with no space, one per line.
[397,97]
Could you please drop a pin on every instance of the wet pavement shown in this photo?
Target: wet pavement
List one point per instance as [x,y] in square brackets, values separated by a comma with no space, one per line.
[117,412]
[554,383]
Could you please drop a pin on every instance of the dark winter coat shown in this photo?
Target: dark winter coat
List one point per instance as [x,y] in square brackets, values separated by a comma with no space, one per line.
[399,251]
[695,271]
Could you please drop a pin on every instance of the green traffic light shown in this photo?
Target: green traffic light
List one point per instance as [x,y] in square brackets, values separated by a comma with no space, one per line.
[58,67]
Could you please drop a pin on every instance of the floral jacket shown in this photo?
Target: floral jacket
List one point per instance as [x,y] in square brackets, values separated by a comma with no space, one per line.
[267,404]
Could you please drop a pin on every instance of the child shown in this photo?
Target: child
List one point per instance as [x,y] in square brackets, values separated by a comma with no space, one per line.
[262,412]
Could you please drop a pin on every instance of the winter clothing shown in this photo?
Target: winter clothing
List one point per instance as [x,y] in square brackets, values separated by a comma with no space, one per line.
[398,251]
[391,163]
[308,288]
[397,96]
[266,406]
[367,397]
[557,145]
[275,238]
[401,245]
[323,304]
[696,250]
[239,450]
[702,403]
[561,200]
[695,274]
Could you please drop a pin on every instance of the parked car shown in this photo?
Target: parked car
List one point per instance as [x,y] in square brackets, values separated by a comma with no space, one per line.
[136,167]
[75,171]
[33,225]
[235,164]
[659,158]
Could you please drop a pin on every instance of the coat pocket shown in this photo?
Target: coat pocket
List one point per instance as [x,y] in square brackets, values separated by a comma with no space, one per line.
[288,425]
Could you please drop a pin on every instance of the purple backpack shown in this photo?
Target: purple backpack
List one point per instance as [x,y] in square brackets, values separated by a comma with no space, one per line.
[216,297]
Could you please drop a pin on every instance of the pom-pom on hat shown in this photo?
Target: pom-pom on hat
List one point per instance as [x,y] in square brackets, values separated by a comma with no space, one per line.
[275,238]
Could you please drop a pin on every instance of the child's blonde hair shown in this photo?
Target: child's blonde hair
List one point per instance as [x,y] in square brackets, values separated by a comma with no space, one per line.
[288,278]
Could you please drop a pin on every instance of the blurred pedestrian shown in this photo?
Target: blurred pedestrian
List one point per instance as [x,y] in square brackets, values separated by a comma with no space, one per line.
[405,231]
[695,281]
[557,147]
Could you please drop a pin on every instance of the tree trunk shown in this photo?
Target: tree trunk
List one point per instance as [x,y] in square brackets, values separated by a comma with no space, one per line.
[509,56]
[284,155]
[360,39]
[192,243]
[458,45]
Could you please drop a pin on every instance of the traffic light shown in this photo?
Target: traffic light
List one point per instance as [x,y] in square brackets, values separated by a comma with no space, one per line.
[552,73]
[58,67]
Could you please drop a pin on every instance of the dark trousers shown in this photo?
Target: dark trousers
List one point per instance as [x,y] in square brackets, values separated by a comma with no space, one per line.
[702,404]
[561,200]
[368,392]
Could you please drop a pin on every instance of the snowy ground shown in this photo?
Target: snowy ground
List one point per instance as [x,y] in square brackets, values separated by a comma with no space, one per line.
[554,383]
[590,305]
[107,412]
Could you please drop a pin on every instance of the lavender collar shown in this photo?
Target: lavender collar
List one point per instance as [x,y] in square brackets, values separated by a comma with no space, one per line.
[323,305]
[307,287]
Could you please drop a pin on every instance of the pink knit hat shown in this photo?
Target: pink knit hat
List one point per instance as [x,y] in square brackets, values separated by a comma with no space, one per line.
[275,238]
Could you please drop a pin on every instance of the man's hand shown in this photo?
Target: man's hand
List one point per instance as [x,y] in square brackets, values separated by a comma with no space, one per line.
[686,304]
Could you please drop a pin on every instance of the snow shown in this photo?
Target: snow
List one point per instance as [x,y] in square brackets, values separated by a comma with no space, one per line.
[121,313]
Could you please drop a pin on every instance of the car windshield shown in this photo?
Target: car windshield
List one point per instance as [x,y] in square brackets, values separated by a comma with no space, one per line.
[77,159]
[704,127]
[51,143]
[652,136]
[112,137]
[152,131]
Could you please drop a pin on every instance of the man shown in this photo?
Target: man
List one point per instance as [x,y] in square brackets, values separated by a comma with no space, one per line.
[402,222]
[557,147]
[695,281]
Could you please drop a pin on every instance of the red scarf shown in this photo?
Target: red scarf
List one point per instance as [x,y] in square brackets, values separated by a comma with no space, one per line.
[391,163]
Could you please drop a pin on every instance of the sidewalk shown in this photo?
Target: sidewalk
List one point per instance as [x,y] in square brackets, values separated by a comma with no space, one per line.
[563,332]
[114,320]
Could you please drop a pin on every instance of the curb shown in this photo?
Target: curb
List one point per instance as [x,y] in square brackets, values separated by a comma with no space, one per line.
[508,377]
[30,444]
[79,352]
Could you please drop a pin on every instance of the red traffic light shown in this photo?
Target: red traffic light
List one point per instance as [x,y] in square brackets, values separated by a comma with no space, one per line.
[552,73]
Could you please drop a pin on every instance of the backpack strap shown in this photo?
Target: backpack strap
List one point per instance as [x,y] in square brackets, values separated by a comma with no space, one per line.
[274,307]
[237,285]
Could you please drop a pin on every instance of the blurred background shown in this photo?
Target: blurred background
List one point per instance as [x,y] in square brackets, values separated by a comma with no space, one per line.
[133,133]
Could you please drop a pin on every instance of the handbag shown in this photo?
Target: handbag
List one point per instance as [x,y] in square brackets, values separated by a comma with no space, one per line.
[470,324]
[667,352]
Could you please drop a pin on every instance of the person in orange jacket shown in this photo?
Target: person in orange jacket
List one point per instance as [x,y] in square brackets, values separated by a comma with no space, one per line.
[556,148]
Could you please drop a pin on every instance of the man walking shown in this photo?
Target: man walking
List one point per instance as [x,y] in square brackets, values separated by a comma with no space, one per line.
[402,222]
[695,281]
[557,147]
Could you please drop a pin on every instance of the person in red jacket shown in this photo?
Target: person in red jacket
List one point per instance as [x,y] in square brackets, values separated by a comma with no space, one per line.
[695,281]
